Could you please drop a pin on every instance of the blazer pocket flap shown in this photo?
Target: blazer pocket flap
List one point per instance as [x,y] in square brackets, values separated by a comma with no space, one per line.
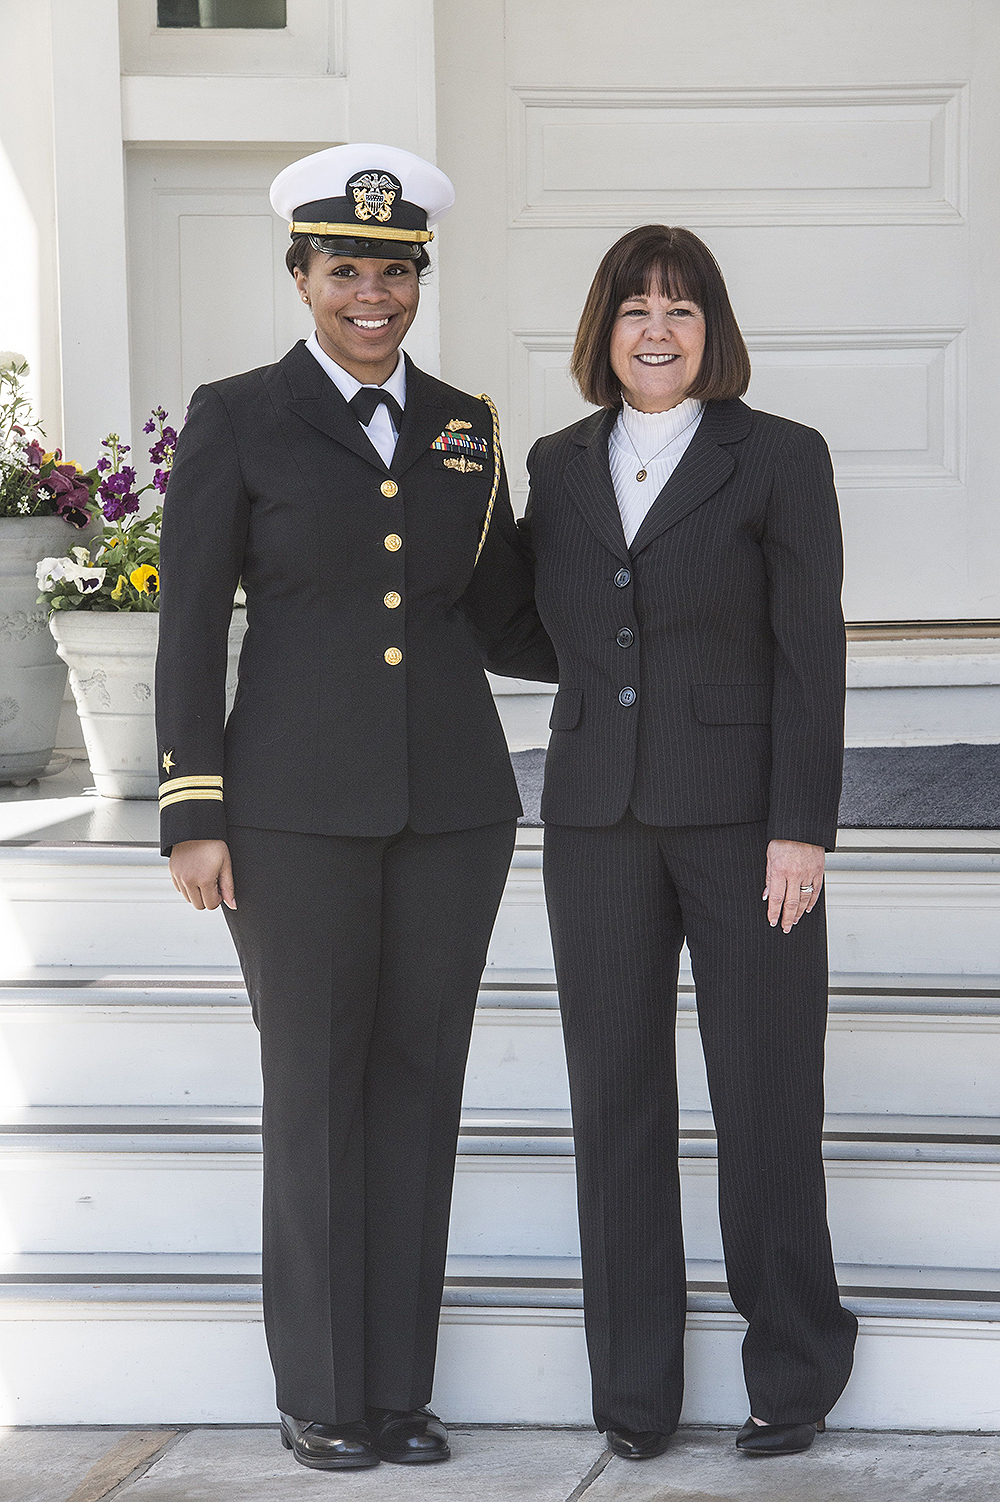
[732,703]
[566,709]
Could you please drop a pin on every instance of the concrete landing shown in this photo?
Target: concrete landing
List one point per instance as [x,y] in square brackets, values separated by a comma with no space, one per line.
[495,1465]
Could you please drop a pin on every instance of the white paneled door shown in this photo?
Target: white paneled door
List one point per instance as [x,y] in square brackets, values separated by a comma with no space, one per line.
[209,292]
[840,160]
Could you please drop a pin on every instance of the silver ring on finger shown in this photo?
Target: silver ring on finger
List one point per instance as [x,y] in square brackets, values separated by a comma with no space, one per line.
[806,889]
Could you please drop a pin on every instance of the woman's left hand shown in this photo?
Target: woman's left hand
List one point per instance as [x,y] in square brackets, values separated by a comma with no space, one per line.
[794,881]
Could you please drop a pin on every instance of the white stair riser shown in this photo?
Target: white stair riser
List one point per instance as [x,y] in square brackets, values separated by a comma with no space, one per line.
[891,922]
[163,1364]
[58,1055]
[943,1215]
[55,1055]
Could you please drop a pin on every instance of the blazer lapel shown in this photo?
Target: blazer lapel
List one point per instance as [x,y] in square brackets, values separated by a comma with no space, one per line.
[588,479]
[422,418]
[318,402]
[704,468]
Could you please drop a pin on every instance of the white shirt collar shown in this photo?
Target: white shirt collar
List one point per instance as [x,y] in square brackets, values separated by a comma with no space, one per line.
[651,431]
[347,385]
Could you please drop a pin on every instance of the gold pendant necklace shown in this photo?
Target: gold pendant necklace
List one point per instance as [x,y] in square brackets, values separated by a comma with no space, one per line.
[643,470]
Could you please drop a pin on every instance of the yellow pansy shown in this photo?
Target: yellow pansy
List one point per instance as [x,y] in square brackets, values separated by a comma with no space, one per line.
[119,588]
[145,579]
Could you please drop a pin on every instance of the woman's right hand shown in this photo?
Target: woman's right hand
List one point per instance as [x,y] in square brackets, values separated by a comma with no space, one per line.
[203,873]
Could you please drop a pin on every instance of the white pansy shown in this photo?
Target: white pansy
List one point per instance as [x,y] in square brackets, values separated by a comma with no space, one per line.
[87,579]
[82,556]
[51,570]
[11,360]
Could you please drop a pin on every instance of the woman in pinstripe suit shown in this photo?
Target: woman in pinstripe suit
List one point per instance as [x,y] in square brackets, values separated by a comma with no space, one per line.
[688,561]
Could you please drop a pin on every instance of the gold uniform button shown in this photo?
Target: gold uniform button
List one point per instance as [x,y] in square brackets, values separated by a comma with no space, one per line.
[394,657]
[389,489]
[393,543]
[392,599]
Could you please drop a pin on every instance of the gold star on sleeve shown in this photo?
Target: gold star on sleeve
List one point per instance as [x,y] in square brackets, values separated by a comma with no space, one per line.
[168,761]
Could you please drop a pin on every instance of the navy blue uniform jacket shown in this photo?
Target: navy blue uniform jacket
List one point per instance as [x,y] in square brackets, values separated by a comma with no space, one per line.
[275,483]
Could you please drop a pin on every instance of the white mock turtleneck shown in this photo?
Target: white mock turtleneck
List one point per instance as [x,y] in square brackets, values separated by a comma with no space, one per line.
[663,434]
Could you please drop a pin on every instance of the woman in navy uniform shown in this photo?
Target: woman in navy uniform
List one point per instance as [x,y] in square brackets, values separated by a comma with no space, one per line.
[356,815]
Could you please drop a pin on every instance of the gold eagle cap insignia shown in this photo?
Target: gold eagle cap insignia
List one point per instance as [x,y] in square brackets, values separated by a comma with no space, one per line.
[462,464]
[374,195]
[456,425]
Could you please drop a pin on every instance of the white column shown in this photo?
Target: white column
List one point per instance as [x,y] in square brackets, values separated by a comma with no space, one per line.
[90,223]
[28,315]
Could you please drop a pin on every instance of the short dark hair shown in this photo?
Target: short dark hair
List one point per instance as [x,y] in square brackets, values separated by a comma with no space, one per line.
[299,254]
[676,260]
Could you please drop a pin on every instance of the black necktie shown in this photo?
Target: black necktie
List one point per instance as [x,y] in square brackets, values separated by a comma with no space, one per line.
[364,402]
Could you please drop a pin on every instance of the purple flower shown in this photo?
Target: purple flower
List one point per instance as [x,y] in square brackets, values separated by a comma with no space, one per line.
[113,509]
[163,448]
[150,426]
[103,465]
[160,479]
[33,454]
[75,516]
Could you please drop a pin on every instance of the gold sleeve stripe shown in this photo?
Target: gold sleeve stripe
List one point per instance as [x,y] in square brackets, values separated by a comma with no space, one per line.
[183,797]
[189,782]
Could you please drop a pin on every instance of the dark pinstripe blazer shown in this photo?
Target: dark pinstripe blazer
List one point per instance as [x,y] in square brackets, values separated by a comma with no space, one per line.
[702,670]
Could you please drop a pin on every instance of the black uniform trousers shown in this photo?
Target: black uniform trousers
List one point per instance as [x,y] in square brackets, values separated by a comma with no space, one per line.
[362,958]
[621,900]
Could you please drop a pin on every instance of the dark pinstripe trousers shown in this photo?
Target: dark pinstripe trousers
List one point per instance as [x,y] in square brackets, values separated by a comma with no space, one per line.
[362,958]
[621,901]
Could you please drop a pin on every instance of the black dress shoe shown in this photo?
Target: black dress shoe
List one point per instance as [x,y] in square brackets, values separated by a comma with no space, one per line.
[640,1444]
[328,1447]
[414,1437]
[777,1439]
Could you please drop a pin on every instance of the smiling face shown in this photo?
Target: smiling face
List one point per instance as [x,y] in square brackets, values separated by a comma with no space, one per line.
[362,309]
[657,343]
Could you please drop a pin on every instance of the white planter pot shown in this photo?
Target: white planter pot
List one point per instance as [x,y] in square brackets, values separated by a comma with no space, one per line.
[32,678]
[111,656]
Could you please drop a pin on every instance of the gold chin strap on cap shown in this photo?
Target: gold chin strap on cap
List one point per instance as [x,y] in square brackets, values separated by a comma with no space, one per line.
[497,462]
[363,232]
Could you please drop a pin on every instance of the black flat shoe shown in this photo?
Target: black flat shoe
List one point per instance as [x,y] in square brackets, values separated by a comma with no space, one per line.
[777,1439]
[328,1447]
[631,1444]
[408,1438]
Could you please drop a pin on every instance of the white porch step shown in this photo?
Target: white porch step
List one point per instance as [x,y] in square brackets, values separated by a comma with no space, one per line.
[926,904]
[896,1044]
[180,1340]
[169,1180]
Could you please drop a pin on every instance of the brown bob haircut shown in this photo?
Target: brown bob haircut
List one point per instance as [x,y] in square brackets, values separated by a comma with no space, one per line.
[657,255]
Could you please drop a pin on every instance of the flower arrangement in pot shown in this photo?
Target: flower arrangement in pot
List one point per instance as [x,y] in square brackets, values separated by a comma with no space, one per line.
[103,602]
[45,501]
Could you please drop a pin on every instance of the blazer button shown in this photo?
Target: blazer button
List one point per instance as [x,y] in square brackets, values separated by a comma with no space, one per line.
[393,543]
[624,637]
[392,599]
[389,489]
[393,657]
[622,578]
[627,697]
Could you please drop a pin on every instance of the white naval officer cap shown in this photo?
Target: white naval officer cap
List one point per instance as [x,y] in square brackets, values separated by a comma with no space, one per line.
[363,200]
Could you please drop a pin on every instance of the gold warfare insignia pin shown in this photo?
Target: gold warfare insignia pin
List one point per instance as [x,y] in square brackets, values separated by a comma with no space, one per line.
[456,425]
[168,761]
[462,464]
[374,195]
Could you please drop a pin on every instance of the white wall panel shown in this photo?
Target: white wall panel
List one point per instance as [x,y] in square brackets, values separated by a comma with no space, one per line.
[748,156]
